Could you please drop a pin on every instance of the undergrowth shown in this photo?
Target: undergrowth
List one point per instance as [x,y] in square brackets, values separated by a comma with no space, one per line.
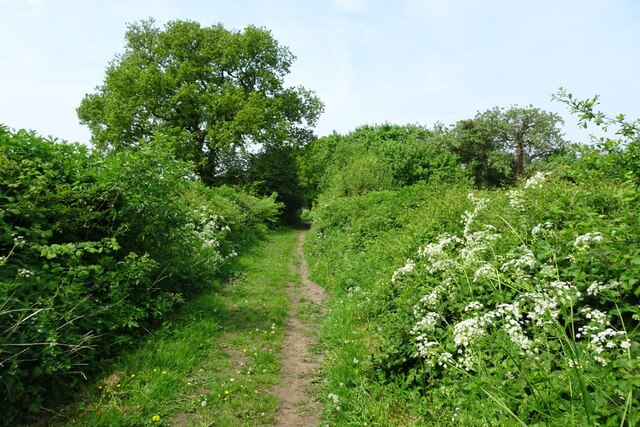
[459,307]
[213,363]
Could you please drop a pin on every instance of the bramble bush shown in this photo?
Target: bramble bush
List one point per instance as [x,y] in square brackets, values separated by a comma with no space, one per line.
[94,249]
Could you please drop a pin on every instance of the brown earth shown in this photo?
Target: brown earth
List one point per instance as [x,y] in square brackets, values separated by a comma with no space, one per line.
[300,366]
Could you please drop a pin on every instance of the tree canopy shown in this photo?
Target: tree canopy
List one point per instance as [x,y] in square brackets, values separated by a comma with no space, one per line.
[377,157]
[214,90]
[529,132]
[499,140]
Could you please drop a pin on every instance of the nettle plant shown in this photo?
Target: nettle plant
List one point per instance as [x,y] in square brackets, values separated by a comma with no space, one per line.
[533,316]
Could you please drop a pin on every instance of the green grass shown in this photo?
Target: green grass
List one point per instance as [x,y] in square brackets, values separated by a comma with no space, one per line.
[373,372]
[214,364]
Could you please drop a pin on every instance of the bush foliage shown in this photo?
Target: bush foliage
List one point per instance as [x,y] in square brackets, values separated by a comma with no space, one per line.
[455,306]
[373,158]
[93,249]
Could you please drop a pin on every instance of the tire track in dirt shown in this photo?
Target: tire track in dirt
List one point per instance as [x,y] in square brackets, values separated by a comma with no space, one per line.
[299,364]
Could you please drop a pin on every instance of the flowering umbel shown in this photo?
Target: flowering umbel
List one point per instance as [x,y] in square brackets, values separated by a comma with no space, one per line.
[534,306]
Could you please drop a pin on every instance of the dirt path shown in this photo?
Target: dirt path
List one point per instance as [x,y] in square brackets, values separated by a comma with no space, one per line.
[299,364]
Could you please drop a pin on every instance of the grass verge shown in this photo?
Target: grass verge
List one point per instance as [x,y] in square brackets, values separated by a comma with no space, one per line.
[213,364]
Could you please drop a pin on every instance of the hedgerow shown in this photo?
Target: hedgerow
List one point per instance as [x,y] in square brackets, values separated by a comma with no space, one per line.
[93,249]
[454,306]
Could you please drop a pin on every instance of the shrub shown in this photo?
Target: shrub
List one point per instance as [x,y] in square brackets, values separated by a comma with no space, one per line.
[93,249]
[518,305]
[529,311]
[374,158]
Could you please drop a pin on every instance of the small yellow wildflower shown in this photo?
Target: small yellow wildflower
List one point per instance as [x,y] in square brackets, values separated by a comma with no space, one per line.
[164,372]
[133,375]
[155,418]
[226,392]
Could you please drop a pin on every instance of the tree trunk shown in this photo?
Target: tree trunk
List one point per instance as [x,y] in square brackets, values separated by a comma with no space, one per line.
[205,162]
[519,155]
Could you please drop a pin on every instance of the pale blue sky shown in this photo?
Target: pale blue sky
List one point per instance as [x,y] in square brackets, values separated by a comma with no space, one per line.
[370,61]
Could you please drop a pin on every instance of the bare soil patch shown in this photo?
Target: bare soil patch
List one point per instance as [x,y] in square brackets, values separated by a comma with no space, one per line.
[300,366]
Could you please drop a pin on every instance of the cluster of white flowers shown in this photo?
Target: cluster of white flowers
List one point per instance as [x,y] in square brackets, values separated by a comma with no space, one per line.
[564,292]
[548,271]
[484,271]
[536,180]
[209,228]
[584,241]
[432,352]
[596,288]
[545,310]
[527,259]
[469,330]
[468,218]
[516,200]
[600,336]
[474,305]
[514,329]
[476,243]
[427,348]
[432,299]
[407,268]
[335,399]
[436,250]
[23,272]
[512,323]
[541,228]
[426,324]
[436,256]
[19,241]
[607,339]
[596,317]
[532,314]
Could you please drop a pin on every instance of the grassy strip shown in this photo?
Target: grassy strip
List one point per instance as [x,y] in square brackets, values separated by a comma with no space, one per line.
[353,248]
[214,364]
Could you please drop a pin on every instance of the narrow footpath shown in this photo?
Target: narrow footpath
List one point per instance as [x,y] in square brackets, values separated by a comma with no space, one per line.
[300,364]
[243,354]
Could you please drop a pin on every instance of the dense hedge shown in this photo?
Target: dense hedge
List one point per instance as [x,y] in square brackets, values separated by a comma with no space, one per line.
[381,157]
[518,305]
[93,248]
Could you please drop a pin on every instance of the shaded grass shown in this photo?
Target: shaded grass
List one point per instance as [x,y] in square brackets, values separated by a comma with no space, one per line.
[214,364]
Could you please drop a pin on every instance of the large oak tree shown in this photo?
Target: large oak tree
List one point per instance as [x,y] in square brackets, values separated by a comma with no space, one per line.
[214,90]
